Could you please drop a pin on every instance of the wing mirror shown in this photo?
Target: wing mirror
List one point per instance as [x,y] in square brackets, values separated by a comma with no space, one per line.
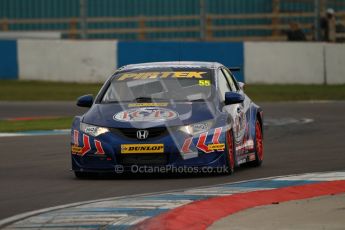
[85,101]
[241,85]
[235,69]
[233,98]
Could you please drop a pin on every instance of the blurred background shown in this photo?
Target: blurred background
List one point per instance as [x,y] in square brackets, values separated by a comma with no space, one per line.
[205,20]
[292,43]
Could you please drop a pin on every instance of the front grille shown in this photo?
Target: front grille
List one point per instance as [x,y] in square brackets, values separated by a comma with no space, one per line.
[132,133]
[143,159]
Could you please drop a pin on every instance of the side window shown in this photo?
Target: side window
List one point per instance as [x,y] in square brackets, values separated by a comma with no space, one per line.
[229,77]
[223,85]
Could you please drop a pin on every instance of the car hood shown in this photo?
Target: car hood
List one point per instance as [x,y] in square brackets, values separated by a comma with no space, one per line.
[144,115]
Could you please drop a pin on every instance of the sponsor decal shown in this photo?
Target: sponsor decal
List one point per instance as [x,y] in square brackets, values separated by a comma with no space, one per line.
[154,75]
[150,114]
[218,147]
[216,135]
[148,104]
[249,144]
[76,149]
[99,148]
[85,147]
[244,160]
[76,137]
[241,125]
[201,144]
[186,145]
[251,157]
[142,148]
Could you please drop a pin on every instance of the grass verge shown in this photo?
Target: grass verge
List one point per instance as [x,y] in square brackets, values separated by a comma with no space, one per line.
[44,124]
[51,91]
[11,90]
[261,93]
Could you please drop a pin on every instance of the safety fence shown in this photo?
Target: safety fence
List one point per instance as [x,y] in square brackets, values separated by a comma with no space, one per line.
[218,20]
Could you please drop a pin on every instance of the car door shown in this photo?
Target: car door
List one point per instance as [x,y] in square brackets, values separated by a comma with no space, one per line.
[244,140]
[237,112]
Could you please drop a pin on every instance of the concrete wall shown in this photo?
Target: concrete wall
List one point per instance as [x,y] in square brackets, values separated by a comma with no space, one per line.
[8,59]
[227,53]
[94,61]
[335,63]
[66,60]
[284,63]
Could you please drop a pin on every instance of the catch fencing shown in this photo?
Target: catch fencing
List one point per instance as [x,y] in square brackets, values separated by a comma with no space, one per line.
[173,20]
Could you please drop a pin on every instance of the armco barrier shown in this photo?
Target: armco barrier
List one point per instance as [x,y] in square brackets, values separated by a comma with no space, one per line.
[66,60]
[8,59]
[227,53]
[284,63]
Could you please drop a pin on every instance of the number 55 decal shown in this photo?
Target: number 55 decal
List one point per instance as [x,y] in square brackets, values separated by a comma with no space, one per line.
[204,82]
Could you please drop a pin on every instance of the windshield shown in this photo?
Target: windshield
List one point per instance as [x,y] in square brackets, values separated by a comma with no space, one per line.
[157,84]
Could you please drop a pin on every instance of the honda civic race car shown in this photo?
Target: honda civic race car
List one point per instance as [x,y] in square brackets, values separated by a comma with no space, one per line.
[167,115]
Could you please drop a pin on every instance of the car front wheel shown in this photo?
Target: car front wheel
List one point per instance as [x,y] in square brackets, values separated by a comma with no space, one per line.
[83,175]
[230,152]
[259,146]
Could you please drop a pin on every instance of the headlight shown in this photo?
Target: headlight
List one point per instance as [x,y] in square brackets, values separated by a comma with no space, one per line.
[92,130]
[197,128]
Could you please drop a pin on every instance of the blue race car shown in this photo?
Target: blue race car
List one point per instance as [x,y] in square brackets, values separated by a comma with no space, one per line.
[168,117]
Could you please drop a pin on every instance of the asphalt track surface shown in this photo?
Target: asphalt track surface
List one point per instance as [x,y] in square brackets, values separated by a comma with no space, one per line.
[34,171]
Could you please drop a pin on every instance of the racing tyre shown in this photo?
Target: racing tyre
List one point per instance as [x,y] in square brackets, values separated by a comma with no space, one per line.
[259,146]
[83,175]
[230,152]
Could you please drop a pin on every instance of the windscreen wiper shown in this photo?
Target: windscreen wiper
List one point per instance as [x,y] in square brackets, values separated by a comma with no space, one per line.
[198,100]
[109,102]
[143,99]
[148,99]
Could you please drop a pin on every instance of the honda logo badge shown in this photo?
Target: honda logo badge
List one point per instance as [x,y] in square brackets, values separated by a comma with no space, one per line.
[142,134]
